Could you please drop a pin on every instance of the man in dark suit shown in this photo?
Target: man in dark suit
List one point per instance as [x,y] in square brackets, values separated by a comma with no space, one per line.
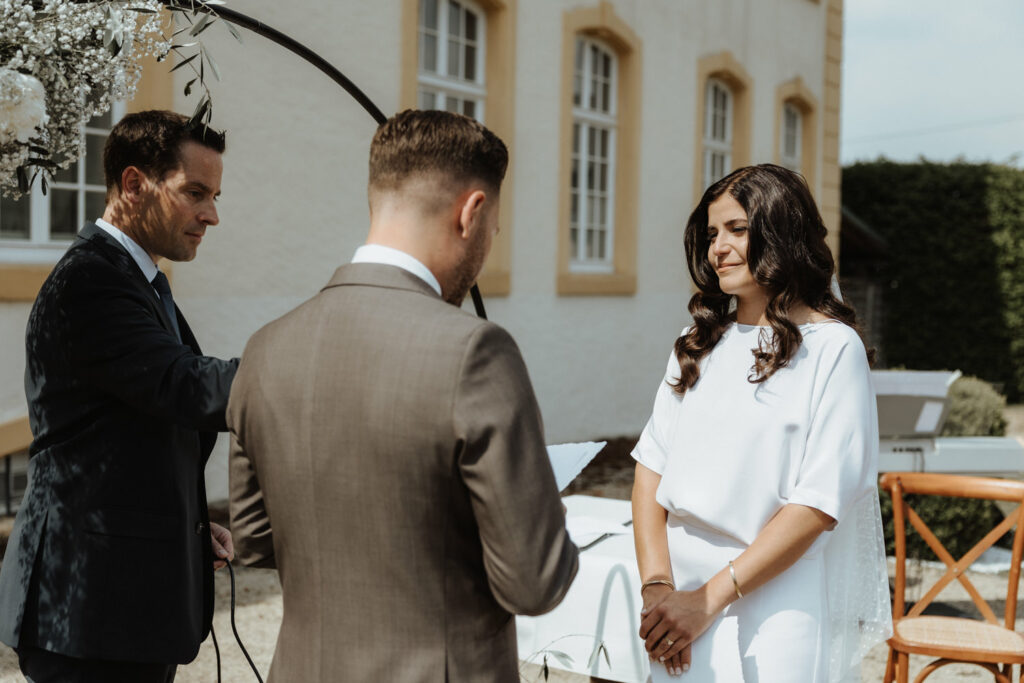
[108,574]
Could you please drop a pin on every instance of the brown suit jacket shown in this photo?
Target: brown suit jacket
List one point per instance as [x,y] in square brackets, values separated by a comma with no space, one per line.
[388,458]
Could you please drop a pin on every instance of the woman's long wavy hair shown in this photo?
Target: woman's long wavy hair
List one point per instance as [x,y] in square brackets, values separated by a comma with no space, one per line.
[787,256]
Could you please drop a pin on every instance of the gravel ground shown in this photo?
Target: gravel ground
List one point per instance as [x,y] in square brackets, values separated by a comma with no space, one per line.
[610,475]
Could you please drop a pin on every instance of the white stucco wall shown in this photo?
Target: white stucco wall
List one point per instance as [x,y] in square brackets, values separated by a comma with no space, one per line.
[294,208]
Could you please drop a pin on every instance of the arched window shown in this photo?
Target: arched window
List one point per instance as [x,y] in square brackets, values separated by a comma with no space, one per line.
[790,137]
[718,115]
[451,57]
[591,185]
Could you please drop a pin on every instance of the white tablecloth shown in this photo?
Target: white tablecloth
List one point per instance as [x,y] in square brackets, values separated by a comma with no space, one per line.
[602,606]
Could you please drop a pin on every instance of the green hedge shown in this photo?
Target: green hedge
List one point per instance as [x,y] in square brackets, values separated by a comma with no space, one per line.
[975,409]
[955,275]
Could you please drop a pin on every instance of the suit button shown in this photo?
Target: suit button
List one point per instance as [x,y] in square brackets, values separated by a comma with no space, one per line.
[200,527]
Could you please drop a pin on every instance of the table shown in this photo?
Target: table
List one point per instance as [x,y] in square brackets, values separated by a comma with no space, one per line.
[602,605]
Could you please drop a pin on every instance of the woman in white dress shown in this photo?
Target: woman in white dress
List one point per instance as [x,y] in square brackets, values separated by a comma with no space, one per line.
[763,436]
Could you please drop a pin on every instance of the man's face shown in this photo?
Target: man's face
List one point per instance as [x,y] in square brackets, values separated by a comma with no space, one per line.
[476,253]
[176,210]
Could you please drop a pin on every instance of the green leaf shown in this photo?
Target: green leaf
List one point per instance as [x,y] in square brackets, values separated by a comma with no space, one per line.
[23,183]
[562,657]
[188,87]
[234,31]
[44,186]
[201,25]
[37,149]
[213,64]
[184,62]
[142,10]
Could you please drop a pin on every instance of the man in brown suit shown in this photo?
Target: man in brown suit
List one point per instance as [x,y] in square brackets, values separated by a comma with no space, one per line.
[387,453]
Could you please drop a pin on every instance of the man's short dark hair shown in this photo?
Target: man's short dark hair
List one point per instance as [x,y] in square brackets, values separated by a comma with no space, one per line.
[151,141]
[415,142]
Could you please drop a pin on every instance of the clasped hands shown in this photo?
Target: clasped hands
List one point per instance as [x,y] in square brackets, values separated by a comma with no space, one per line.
[671,621]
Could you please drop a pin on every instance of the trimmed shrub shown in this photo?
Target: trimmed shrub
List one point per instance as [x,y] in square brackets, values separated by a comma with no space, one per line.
[955,289]
[975,409]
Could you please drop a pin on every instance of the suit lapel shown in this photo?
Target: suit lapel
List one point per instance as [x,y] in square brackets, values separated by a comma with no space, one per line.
[97,237]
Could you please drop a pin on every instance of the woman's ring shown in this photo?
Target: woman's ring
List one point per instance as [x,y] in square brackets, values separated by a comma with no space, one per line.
[669,641]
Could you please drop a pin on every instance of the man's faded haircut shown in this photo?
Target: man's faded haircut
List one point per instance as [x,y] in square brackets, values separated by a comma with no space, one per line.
[423,144]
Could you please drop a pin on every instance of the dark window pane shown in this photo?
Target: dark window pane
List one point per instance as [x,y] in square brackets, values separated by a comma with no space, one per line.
[575,138]
[453,58]
[469,108]
[428,13]
[600,243]
[95,202]
[574,208]
[94,159]
[606,90]
[426,99]
[574,241]
[454,19]
[451,104]
[577,90]
[574,180]
[67,175]
[470,63]
[604,144]
[606,66]
[429,57]
[101,121]
[63,213]
[470,25]
[14,218]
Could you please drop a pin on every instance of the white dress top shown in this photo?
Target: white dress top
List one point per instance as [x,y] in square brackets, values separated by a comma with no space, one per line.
[731,453]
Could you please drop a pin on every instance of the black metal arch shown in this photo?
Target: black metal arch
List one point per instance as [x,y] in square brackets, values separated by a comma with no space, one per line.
[292,45]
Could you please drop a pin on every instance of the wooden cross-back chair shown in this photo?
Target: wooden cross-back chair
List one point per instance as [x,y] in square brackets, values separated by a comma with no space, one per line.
[990,644]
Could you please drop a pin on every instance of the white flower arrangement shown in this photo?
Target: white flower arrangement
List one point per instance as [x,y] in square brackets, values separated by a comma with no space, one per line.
[61,63]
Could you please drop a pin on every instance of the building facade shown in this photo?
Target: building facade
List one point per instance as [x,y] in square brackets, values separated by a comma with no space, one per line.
[617,114]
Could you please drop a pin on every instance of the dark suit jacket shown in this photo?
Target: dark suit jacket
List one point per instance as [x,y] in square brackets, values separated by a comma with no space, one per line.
[110,557]
[388,457]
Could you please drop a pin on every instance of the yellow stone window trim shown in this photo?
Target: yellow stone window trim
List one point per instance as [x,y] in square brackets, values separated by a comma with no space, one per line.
[499,108]
[602,23]
[796,93]
[724,68]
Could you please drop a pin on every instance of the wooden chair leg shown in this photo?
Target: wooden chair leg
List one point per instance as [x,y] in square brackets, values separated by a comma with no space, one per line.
[902,667]
[890,666]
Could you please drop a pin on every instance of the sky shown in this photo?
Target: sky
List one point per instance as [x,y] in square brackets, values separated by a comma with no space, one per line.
[939,79]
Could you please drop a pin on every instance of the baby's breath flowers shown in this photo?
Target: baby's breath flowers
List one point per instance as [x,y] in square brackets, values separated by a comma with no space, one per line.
[61,63]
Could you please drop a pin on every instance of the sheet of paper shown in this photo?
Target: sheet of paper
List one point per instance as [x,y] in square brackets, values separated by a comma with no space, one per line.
[584,530]
[569,459]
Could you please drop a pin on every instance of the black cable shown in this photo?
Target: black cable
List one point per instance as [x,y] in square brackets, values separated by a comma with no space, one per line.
[213,634]
[234,629]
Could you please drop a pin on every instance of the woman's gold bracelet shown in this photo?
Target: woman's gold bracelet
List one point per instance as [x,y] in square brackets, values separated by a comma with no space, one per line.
[735,583]
[647,584]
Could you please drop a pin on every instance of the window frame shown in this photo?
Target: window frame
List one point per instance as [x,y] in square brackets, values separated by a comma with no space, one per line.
[442,86]
[41,247]
[584,120]
[793,161]
[712,146]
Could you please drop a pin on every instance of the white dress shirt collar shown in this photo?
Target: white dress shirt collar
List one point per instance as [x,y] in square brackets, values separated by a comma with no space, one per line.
[145,263]
[378,253]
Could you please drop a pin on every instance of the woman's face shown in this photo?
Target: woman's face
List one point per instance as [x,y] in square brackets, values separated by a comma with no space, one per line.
[728,242]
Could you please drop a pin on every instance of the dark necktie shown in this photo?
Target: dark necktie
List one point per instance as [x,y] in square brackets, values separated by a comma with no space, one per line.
[163,288]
